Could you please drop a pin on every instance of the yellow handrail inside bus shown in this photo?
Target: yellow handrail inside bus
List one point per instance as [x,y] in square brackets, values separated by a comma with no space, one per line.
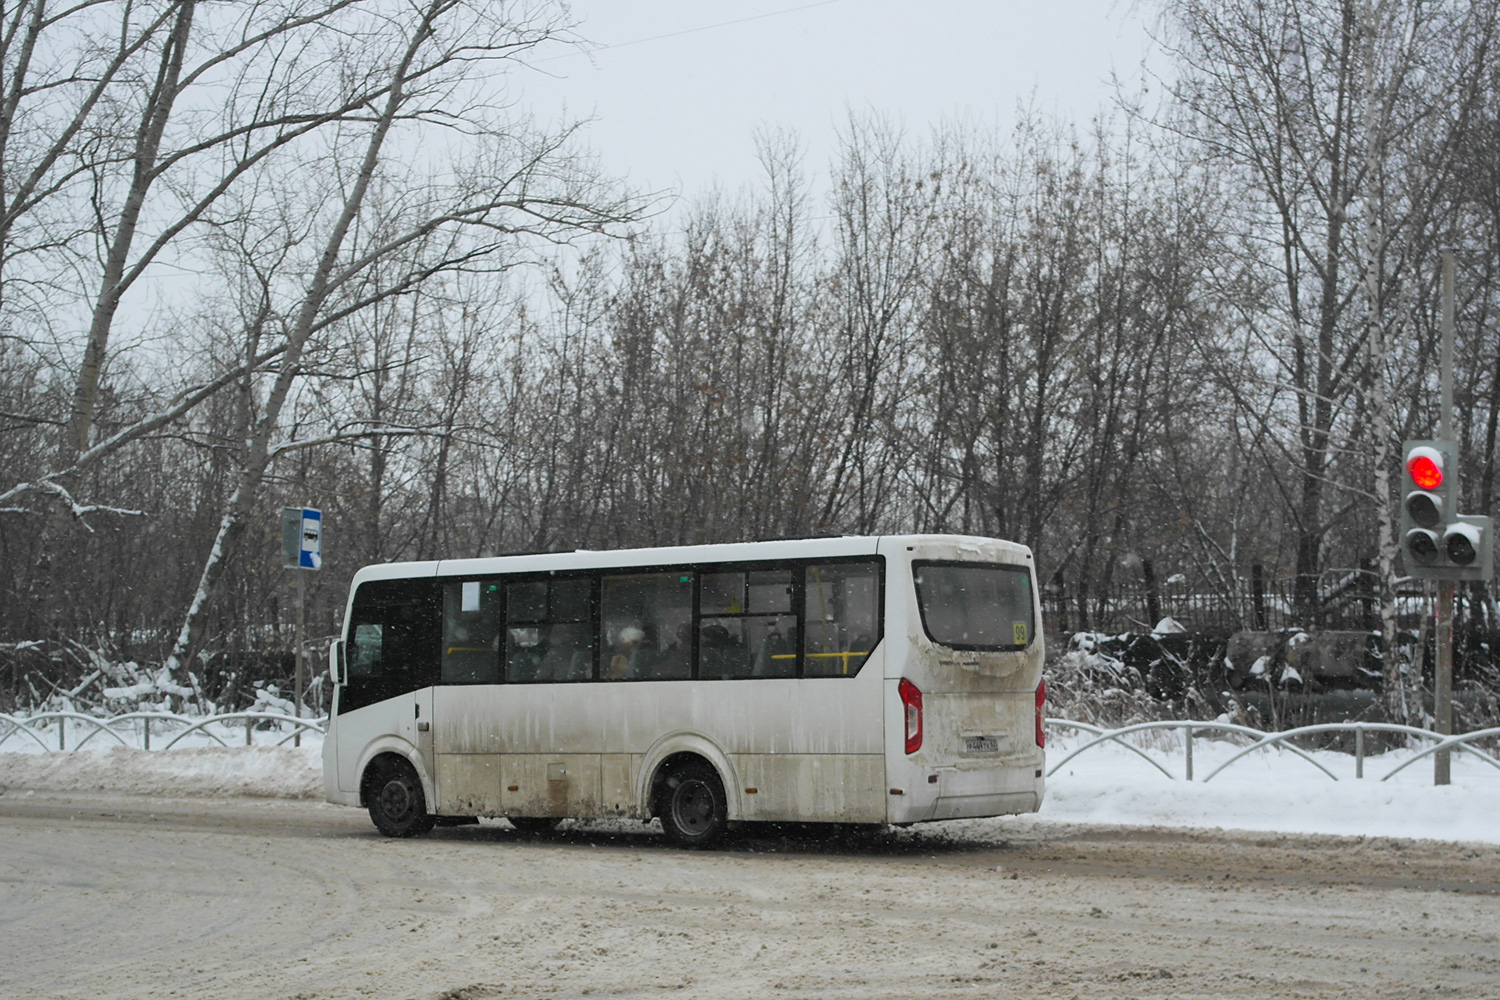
[845,656]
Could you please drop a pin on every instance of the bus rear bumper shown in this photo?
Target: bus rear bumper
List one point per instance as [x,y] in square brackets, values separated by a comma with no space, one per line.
[971,806]
[969,793]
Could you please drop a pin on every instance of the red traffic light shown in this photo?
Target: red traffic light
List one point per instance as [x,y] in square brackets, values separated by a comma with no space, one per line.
[1425,467]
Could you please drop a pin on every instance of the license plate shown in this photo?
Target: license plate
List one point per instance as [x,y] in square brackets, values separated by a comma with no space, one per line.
[981,744]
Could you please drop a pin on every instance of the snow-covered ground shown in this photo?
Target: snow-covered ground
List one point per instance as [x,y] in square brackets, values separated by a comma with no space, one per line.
[1270,790]
[1278,791]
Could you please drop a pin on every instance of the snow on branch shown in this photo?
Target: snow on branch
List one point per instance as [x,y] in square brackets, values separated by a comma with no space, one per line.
[185,401]
[77,509]
[276,450]
[181,404]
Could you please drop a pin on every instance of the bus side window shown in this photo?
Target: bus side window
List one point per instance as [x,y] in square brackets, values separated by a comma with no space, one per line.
[549,630]
[644,627]
[471,632]
[746,627]
[842,615]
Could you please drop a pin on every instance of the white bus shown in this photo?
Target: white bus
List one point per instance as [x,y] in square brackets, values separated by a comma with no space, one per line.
[895,679]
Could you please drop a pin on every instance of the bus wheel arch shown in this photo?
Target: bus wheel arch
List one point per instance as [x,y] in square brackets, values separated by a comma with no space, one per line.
[393,746]
[392,791]
[688,793]
[675,749]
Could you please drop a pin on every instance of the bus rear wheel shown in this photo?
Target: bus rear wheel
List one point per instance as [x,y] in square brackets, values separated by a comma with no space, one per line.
[397,806]
[694,812]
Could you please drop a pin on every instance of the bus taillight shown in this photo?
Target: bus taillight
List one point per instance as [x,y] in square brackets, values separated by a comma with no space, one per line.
[1041,711]
[911,700]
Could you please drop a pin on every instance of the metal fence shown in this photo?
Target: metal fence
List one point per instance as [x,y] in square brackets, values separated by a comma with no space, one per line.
[76,730]
[50,731]
[1286,739]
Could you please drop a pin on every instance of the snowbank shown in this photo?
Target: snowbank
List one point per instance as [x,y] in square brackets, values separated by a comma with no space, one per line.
[1276,790]
[275,772]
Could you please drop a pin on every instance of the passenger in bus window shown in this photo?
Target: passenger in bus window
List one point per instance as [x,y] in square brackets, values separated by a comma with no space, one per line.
[627,649]
[715,651]
[523,657]
[570,655]
[646,654]
[676,660]
[776,656]
[552,657]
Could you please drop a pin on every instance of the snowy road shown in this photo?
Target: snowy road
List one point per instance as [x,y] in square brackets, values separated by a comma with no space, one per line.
[134,897]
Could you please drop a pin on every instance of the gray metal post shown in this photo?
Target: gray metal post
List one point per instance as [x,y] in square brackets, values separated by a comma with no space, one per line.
[1445,360]
[1442,686]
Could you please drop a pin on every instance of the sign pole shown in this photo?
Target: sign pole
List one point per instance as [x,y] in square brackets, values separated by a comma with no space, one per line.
[301,550]
[301,638]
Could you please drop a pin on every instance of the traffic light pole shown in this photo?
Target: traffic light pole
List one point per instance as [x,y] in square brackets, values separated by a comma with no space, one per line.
[1442,679]
[1442,673]
[1445,372]
[1437,542]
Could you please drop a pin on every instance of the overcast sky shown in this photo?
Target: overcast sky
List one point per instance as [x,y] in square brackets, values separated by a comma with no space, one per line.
[678,88]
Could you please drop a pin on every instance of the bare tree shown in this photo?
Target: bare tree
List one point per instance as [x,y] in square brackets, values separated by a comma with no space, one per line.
[884,208]
[1284,97]
[515,185]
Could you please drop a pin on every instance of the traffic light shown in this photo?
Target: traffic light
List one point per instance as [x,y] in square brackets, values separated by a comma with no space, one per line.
[1426,468]
[1439,543]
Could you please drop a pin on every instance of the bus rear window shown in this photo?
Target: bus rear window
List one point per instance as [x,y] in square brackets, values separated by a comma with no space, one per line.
[975,605]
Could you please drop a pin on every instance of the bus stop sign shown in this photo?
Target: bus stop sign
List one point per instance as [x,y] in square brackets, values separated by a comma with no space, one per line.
[301,538]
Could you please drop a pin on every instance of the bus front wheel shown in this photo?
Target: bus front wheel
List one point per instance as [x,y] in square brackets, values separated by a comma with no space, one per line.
[397,806]
[694,812]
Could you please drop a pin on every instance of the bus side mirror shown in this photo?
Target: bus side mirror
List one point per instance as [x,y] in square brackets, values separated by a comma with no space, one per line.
[337,668]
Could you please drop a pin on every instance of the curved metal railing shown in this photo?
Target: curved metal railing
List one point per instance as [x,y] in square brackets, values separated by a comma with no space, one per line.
[1263,740]
[138,726]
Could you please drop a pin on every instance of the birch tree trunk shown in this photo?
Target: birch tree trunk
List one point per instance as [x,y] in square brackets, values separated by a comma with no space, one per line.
[1373,18]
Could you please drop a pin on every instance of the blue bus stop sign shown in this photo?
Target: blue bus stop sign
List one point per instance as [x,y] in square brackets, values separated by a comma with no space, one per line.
[301,538]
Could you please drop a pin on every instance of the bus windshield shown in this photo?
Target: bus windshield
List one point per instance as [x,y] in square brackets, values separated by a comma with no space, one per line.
[980,606]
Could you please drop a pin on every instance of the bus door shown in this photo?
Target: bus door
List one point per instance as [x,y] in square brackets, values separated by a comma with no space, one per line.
[391,659]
